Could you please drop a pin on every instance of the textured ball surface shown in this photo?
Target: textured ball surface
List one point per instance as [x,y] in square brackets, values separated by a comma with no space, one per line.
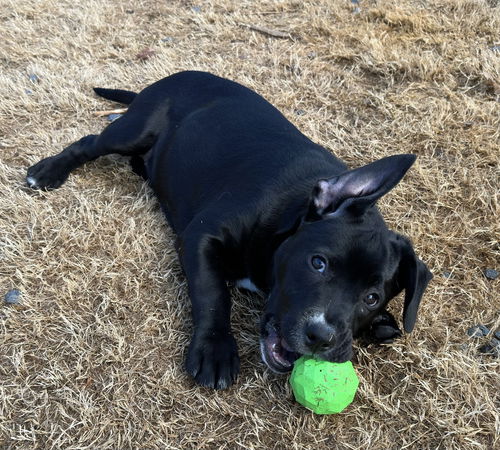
[322,386]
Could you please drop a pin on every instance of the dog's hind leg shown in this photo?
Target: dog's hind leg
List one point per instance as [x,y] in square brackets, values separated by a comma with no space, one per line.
[132,134]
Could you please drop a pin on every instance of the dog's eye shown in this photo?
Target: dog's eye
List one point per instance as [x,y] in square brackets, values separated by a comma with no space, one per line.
[319,263]
[372,299]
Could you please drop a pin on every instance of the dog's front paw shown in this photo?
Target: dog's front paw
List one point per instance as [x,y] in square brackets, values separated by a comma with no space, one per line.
[383,329]
[49,173]
[212,359]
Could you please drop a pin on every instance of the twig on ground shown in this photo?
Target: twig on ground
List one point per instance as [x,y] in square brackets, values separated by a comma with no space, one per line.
[268,31]
[110,111]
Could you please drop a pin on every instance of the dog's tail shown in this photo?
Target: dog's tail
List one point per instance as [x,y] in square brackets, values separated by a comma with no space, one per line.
[117,95]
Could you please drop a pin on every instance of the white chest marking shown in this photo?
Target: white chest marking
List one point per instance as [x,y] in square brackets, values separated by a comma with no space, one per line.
[247,284]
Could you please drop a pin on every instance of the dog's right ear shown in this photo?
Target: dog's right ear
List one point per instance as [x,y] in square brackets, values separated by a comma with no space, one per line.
[354,191]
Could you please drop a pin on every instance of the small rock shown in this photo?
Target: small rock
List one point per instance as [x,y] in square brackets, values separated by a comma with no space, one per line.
[478,331]
[13,297]
[491,274]
[491,348]
[113,117]
[34,78]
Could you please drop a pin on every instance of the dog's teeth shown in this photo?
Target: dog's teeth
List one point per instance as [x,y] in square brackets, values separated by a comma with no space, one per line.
[278,357]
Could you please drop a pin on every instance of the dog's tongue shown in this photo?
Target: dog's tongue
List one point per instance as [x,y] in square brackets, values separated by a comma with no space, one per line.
[279,350]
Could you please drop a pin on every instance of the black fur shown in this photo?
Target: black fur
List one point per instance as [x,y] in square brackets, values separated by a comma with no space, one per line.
[250,196]
[117,95]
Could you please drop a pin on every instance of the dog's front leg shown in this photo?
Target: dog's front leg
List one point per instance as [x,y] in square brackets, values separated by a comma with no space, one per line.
[212,357]
[383,329]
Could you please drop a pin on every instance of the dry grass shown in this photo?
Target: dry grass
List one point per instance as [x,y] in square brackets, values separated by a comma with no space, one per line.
[93,356]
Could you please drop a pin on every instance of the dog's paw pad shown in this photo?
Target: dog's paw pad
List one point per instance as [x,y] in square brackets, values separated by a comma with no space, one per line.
[383,330]
[385,334]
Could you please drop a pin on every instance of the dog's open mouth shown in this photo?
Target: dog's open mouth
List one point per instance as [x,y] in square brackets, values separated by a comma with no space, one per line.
[275,352]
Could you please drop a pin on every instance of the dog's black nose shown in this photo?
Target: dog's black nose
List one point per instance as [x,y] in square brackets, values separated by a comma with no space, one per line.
[319,336]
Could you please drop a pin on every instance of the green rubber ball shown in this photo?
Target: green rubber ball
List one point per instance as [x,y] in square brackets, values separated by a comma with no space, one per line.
[323,387]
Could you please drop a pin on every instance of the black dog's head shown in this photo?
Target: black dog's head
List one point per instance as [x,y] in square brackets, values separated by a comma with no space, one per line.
[340,269]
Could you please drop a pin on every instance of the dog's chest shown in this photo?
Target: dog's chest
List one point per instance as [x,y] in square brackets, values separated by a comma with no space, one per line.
[246,283]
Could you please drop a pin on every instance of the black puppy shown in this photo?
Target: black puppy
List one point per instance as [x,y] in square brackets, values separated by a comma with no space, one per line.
[254,201]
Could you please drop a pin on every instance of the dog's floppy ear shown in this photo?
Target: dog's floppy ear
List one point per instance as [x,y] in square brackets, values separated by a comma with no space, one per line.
[356,190]
[413,276]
